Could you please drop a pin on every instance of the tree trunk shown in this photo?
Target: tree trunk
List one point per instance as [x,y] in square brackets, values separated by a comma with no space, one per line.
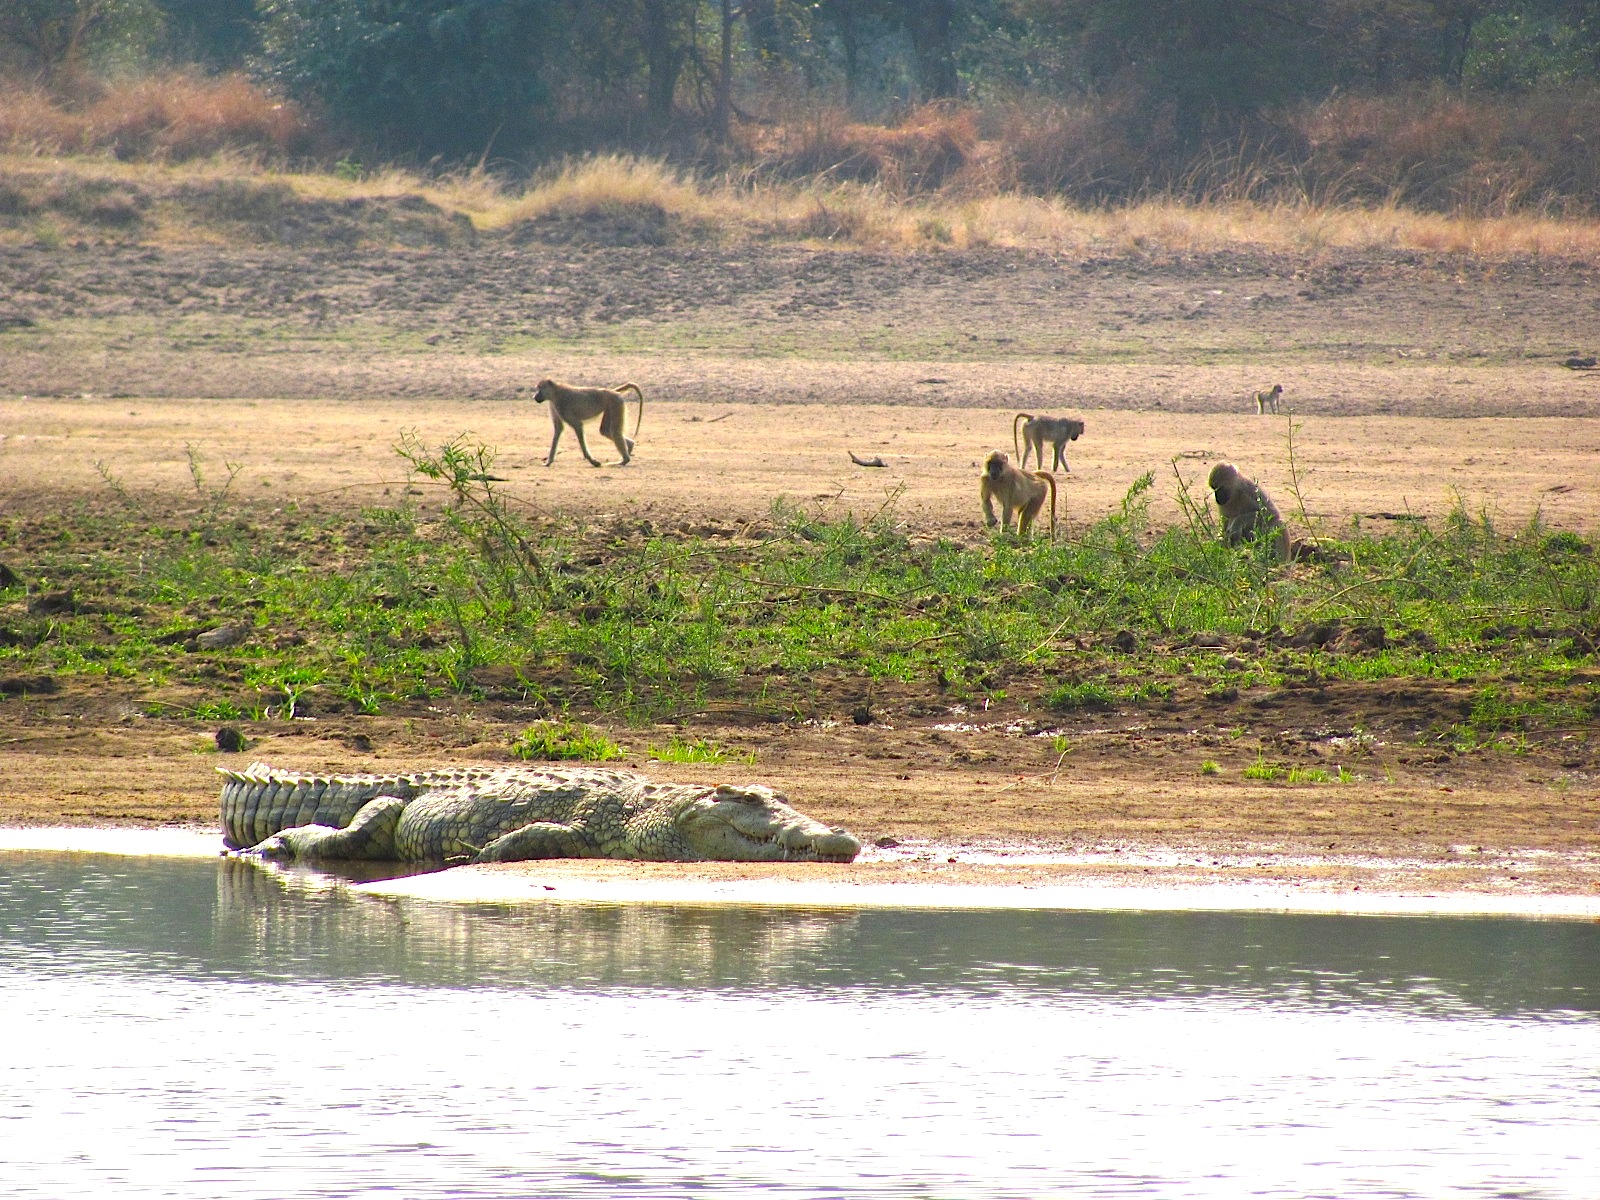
[663,59]
[929,22]
[720,115]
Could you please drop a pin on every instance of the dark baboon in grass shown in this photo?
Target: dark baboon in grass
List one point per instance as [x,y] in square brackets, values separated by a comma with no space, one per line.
[1247,513]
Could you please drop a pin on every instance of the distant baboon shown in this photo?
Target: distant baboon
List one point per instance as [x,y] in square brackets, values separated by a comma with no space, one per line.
[1058,431]
[575,405]
[1267,401]
[1017,490]
[1247,513]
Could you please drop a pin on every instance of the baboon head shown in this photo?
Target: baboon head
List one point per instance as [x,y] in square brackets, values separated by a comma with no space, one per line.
[545,390]
[996,466]
[1221,481]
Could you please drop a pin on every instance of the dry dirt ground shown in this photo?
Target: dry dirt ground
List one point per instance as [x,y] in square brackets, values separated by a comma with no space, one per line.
[1415,384]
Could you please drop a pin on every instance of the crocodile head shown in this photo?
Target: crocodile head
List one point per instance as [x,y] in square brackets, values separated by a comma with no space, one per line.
[753,823]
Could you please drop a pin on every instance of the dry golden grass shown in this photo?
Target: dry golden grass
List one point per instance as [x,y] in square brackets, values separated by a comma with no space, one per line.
[729,207]
[607,181]
[171,117]
[929,149]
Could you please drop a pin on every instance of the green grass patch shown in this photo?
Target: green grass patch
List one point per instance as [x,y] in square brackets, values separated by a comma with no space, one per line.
[1264,771]
[697,750]
[379,610]
[1071,697]
[560,741]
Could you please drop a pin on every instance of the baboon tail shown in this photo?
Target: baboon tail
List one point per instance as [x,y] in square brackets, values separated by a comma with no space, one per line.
[638,415]
[1051,480]
[1016,442]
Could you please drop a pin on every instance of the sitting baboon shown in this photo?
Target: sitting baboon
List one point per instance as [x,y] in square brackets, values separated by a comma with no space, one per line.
[1058,431]
[1267,401]
[1018,491]
[1247,513]
[575,405]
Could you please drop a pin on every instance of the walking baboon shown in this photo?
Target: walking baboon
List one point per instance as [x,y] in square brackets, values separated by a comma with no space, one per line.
[1018,491]
[1267,401]
[1247,513]
[575,405]
[1058,431]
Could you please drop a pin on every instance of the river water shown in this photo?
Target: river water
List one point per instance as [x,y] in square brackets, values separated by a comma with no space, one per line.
[199,1028]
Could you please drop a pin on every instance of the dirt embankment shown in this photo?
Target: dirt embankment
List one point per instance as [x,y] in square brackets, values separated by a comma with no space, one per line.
[1414,384]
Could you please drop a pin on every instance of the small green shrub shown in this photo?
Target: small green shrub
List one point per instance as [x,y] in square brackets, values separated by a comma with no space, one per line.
[1307,775]
[565,741]
[699,750]
[1263,770]
[1070,697]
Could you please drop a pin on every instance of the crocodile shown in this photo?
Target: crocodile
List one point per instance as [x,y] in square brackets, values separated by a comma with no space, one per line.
[479,814]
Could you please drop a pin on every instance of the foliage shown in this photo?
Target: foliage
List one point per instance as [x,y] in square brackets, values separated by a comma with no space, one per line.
[697,750]
[1476,108]
[384,611]
[434,76]
[218,33]
[1523,48]
[58,37]
[565,740]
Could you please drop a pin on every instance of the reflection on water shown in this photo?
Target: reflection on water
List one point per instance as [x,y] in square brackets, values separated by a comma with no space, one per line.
[212,1028]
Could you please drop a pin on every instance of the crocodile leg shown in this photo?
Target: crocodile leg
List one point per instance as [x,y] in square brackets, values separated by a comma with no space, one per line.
[370,835]
[541,839]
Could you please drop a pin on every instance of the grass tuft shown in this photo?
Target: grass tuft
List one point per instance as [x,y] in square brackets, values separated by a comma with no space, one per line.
[559,741]
[697,750]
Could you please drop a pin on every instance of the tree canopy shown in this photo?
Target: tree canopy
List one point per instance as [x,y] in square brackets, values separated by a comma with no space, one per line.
[455,78]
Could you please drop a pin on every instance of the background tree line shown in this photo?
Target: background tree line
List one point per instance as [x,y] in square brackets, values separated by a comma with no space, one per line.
[1155,89]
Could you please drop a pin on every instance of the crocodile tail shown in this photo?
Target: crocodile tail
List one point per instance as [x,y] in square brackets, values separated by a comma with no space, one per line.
[259,801]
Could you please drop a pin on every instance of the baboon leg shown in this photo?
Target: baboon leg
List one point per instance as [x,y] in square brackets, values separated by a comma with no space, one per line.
[612,424]
[554,439]
[584,445]
[987,491]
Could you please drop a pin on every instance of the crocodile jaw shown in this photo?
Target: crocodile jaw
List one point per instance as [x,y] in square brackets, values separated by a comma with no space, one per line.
[753,823]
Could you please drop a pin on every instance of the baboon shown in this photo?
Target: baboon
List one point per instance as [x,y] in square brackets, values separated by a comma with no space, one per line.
[575,405]
[1267,401]
[1017,490]
[1058,431]
[1247,513]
